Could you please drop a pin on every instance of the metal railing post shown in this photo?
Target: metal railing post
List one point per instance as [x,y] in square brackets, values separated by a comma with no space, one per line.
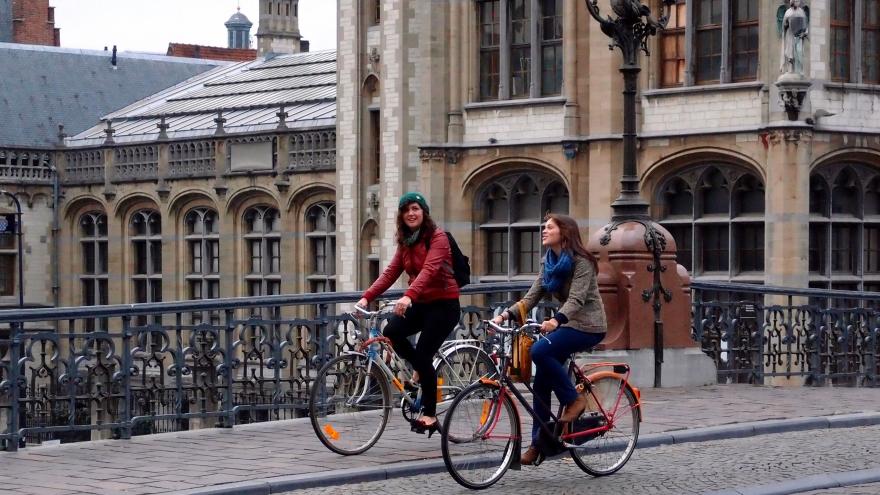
[126,430]
[15,379]
[229,408]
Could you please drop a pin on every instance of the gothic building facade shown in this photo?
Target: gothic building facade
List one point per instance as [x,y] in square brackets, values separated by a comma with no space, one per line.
[502,110]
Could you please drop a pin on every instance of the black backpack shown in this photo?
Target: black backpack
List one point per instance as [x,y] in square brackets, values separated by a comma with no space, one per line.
[461,264]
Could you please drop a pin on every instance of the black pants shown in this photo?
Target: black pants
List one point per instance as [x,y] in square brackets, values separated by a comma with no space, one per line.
[435,320]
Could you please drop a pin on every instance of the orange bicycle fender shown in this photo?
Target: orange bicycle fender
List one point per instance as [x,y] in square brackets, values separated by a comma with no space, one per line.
[635,391]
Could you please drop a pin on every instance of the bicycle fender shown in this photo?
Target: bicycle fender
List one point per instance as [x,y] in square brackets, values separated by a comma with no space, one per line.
[635,391]
[446,352]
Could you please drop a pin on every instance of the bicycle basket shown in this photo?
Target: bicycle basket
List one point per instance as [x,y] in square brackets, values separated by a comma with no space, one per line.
[520,367]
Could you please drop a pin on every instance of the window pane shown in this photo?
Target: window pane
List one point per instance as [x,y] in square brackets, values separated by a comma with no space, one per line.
[872,249]
[214,255]
[88,292]
[709,55]
[529,249]
[256,255]
[8,267]
[716,196]
[156,256]
[845,195]
[527,202]
[683,235]
[844,242]
[818,248]
[714,241]
[140,257]
[497,255]
[841,15]
[520,68]
[490,40]
[103,257]
[750,247]
[195,249]
[275,254]
[818,196]
[88,252]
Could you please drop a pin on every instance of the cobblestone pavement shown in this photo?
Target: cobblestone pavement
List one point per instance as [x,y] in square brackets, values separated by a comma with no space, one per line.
[213,457]
[694,468]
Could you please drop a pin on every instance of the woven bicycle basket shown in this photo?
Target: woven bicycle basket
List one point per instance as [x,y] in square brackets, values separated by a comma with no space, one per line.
[520,367]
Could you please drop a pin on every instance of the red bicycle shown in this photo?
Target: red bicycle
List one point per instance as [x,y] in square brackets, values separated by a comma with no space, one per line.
[482,433]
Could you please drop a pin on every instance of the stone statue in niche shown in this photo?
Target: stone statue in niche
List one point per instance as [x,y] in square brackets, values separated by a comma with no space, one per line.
[795,27]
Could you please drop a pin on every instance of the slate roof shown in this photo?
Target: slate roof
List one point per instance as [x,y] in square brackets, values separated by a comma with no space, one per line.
[46,86]
[249,94]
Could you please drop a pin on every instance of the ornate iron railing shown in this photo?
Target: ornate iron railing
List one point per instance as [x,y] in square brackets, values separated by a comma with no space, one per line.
[755,333]
[143,368]
[146,368]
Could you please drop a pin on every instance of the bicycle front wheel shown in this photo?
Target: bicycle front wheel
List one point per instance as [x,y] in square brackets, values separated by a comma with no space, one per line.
[457,368]
[605,453]
[481,434]
[349,404]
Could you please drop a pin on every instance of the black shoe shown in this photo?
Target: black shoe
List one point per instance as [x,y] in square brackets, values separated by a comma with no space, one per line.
[420,427]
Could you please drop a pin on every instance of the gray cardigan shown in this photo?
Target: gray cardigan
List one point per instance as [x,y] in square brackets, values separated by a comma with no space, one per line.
[582,307]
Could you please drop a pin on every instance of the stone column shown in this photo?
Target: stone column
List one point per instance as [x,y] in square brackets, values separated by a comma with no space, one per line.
[455,129]
[569,56]
[787,205]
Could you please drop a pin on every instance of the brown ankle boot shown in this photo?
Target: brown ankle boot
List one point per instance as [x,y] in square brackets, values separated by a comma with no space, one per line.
[529,456]
[573,410]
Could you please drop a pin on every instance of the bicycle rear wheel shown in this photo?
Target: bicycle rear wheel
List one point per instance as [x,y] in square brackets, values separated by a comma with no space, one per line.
[481,434]
[459,367]
[349,404]
[608,451]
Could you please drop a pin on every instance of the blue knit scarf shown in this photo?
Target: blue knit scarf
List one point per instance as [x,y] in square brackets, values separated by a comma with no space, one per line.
[557,269]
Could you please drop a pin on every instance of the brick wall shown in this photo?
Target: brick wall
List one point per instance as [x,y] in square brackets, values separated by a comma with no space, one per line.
[33,22]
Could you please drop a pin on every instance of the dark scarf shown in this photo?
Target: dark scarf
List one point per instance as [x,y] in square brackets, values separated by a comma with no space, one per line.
[413,238]
[557,269]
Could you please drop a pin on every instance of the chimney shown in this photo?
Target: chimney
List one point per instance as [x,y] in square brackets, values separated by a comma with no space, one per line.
[278,32]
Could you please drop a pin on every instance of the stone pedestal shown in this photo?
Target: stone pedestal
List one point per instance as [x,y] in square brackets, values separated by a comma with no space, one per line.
[631,286]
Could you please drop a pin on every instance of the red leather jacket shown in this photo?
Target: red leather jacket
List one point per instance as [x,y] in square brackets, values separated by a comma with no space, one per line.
[430,271]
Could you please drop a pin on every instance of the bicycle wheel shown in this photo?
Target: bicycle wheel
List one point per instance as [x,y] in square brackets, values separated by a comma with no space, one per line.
[607,452]
[349,407]
[481,434]
[459,367]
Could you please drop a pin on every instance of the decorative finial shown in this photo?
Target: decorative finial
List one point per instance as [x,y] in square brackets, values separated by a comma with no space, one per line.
[282,118]
[61,134]
[109,131]
[220,121]
[163,128]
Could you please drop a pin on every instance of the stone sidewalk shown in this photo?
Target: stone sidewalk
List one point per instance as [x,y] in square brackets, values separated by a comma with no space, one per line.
[213,459]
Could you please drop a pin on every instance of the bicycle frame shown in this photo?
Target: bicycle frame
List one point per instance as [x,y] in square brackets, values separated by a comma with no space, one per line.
[508,388]
[376,357]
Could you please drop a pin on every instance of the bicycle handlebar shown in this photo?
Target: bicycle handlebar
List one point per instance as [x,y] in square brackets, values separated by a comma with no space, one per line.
[531,327]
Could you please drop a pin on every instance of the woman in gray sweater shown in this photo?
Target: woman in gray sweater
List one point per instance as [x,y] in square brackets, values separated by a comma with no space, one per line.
[569,273]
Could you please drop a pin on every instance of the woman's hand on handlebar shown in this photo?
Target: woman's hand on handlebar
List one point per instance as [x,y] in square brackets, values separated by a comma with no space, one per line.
[549,325]
[363,303]
[401,305]
[498,320]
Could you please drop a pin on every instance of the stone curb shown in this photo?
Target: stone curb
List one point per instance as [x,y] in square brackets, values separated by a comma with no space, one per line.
[811,483]
[282,484]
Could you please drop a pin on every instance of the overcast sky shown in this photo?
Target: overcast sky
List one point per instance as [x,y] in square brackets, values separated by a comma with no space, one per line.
[149,25]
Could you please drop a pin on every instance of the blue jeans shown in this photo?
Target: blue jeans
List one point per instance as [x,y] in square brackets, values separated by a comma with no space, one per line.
[549,357]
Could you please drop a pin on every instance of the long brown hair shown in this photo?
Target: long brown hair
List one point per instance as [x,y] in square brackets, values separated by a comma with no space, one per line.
[571,237]
[403,232]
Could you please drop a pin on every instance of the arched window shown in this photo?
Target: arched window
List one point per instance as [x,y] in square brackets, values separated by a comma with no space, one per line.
[321,235]
[202,237]
[845,238]
[721,234]
[94,275]
[262,237]
[146,247]
[511,211]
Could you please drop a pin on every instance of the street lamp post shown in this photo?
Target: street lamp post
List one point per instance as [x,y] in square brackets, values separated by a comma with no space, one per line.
[630,31]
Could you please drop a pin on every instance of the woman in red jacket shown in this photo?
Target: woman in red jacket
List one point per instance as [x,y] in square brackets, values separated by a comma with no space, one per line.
[430,304]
